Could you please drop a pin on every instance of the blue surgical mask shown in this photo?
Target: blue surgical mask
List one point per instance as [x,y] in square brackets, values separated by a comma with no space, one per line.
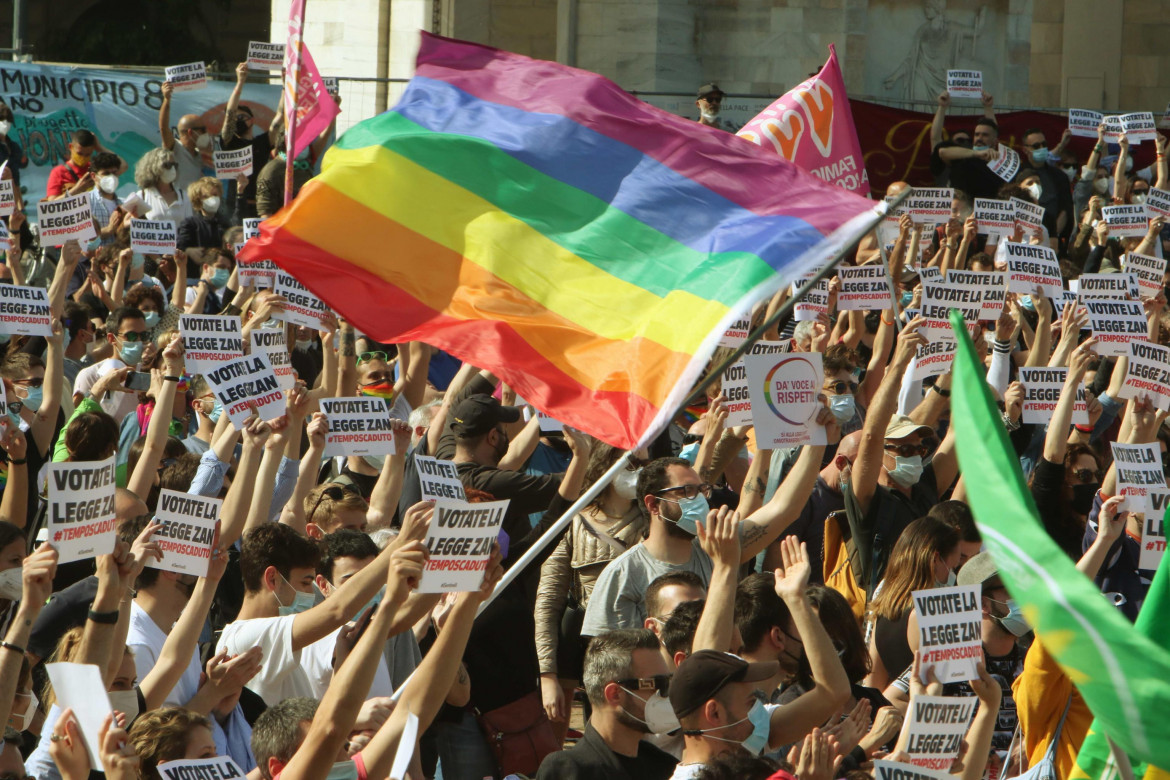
[137,260]
[34,398]
[343,770]
[220,278]
[693,510]
[151,318]
[908,471]
[907,298]
[131,352]
[1013,622]
[1026,302]
[302,602]
[761,727]
[979,148]
[216,411]
[843,407]
[1040,156]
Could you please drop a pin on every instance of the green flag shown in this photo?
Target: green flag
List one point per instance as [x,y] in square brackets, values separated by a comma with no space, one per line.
[1123,676]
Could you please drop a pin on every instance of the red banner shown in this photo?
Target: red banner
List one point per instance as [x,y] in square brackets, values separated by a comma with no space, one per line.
[896,143]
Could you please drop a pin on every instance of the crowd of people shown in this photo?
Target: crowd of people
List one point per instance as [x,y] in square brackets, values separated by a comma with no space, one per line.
[718,610]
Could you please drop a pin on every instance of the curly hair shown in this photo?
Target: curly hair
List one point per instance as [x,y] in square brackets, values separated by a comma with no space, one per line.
[201,189]
[162,735]
[148,171]
[141,292]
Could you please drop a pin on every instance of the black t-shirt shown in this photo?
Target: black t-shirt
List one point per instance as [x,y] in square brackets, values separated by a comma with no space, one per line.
[66,608]
[973,177]
[261,153]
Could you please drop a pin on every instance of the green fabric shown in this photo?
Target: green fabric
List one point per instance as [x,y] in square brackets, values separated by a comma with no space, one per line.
[1123,675]
[60,453]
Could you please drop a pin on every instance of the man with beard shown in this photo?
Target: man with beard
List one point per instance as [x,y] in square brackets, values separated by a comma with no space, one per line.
[626,681]
[709,101]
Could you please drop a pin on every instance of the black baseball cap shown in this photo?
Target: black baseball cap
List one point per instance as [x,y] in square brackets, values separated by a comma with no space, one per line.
[479,413]
[703,674]
[710,89]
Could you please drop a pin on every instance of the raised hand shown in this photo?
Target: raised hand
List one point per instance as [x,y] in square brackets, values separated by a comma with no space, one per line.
[792,579]
[719,536]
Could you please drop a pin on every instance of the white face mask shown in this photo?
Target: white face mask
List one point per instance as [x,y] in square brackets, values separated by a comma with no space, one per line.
[125,702]
[11,587]
[211,205]
[660,717]
[1034,190]
[25,718]
[5,126]
[108,184]
[169,175]
[625,484]
[1100,186]
[203,141]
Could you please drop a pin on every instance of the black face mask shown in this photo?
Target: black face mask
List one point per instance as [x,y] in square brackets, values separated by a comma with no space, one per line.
[1082,500]
[241,126]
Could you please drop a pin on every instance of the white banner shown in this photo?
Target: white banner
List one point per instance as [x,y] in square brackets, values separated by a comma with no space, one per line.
[188,533]
[784,390]
[82,524]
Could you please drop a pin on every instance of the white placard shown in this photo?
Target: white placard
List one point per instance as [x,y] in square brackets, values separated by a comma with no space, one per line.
[965,84]
[1006,164]
[929,205]
[1157,203]
[934,359]
[863,288]
[406,746]
[210,340]
[263,55]
[301,307]
[82,524]
[994,296]
[1139,470]
[1113,286]
[1149,270]
[784,391]
[737,333]
[247,383]
[230,163]
[938,298]
[65,219]
[438,478]
[152,237]
[934,729]
[1153,530]
[895,770]
[1029,216]
[188,532]
[1042,389]
[1147,374]
[889,227]
[1126,221]
[735,386]
[185,78]
[332,85]
[1083,123]
[950,631]
[251,228]
[1139,126]
[24,311]
[814,303]
[271,342]
[1113,131]
[1115,324]
[930,273]
[79,687]
[460,543]
[218,768]
[1029,267]
[7,197]
[995,218]
[358,426]
[547,423]
[258,274]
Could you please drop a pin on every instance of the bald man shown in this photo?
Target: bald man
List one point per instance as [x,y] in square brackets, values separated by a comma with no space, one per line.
[189,145]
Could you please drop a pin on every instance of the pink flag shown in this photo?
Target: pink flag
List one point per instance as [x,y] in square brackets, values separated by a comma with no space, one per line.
[812,126]
[315,106]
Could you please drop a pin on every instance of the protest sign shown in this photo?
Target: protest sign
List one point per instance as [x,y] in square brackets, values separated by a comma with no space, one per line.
[65,219]
[332,85]
[1126,221]
[1139,470]
[737,333]
[79,687]
[1115,324]
[889,227]
[251,228]
[1083,123]
[259,274]
[1042,389]
[994,296]
[1139,126]
[1114,286]
[735,386]
[1148,373]
[938,298]
[5,420]
[1157,203]
[302,307]
[934,729]
[188,532]
[24,311]
[896,770]
[1006,164]
[1149,270]
[81,509]
[929,205]
[210,340]
[966,84]
[933,359]
[784,390]
[950,630]
[438,478]
[547,423]
[864,288]
[930,273]
[7,197]
[995,218]
[358,426]
[406,745]
[187,78]
[271,342]
[1029,267]
[263,55]
[152,237]
[218,768]
[1029,216]
[1113,129]
[1153,530]
[460,542]
[247,383]
[815,302]
[230,163]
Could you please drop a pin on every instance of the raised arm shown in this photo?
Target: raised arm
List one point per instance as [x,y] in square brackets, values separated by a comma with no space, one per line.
[719,538]
[228,131]
[293,513]
[940,115]
[164,117]
[44,422]
[388,489]
[14,503]
[1119,182]
[158,430]
[234,512]
[36,587]
[1056,439]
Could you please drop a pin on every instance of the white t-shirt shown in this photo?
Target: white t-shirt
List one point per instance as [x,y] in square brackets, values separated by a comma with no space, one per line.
[116,404]
[145,638]
[281,675]
[687,771]
[317,660]
[152,202]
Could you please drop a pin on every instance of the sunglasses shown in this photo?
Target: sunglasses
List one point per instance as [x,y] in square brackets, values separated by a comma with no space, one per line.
[366,357]
[687,491]
[1038,145]
[170,165]
[1087,476]
[659,682]
[333,493]
[135,335]
[908,450]
[841,387]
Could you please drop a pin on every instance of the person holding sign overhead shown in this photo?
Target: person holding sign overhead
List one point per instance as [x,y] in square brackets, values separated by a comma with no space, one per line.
[239,130]
[192,143]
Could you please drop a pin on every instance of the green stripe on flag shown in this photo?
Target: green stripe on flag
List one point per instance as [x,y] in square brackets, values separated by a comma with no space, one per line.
[1123,676]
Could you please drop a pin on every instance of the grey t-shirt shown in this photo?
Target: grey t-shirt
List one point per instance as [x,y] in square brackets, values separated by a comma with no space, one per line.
[618,599]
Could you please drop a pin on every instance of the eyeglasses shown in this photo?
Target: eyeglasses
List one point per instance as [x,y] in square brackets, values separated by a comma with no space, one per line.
[1087,476]
[659,682]
[687,491]
[170,165]
[1038,145]
[332,492]
[841,387]
[1141,192]
[134,335]
[908,450]
[34,382]
[366,357]
[200,129]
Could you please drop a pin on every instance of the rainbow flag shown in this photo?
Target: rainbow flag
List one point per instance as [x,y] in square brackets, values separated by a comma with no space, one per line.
[538,221]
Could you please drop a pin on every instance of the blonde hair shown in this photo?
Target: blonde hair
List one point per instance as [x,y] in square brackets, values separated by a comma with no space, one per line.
[162,735]
[68,647]
[322,504]
[201,189]
[911,565]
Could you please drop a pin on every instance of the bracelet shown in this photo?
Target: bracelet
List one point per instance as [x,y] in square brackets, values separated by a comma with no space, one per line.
[1099,148]
[952,246]
[15,462]
[885,321]
[1009,423]
[1084,428]
[108,618]
[172,379]
[12,647]
[941,391]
